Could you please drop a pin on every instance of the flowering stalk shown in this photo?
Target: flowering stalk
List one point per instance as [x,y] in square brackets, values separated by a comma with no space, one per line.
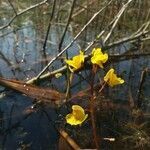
[98,59]
[92,110]
[74,64]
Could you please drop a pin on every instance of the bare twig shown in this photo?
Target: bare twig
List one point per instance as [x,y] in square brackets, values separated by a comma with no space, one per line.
[79,11]
[117,17]
[127,39]
[113,23]
[70,141]
[22,12]
[142,80]
[138,34]
[12,7]
[66,27]
[70,44]
[113,58]
[47,75]
[145,39]
[48,30]
[122,57]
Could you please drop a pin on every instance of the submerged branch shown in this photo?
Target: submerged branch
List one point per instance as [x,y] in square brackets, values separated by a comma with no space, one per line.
[70,141]
[27,112]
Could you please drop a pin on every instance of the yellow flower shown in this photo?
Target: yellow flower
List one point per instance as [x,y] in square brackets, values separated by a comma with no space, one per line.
[76,62]
[77,117]
[112,79]
[98,57]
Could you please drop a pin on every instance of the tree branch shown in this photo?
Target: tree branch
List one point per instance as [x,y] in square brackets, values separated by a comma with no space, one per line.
[85,26]
[22,12]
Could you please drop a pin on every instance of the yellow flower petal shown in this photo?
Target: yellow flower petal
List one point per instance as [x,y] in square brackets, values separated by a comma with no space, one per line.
[98,57]
[72,63]
[77,116]
[71,120]
[96,51]
[76,62]
[78,112]
[81,56]
[112,79]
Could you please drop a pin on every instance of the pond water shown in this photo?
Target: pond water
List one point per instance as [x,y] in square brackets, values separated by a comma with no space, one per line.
[22,58]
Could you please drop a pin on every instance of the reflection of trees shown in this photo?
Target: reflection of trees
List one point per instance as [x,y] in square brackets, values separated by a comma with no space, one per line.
[120,27]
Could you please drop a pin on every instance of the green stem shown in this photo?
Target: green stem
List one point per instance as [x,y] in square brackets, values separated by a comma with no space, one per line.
[68,85]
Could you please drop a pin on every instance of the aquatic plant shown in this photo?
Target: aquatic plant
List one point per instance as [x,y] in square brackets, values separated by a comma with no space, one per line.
[112,79]
[76,62]
[77,117]
[98,57]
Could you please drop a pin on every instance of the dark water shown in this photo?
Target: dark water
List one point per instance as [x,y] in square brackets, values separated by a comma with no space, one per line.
[21,57]
[17,129]
[23,61]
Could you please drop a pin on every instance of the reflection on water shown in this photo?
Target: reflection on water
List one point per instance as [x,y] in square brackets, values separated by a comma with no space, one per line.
[21,57]
[18,129]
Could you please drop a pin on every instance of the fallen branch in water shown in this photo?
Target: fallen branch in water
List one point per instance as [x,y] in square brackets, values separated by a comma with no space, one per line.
[35,92]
